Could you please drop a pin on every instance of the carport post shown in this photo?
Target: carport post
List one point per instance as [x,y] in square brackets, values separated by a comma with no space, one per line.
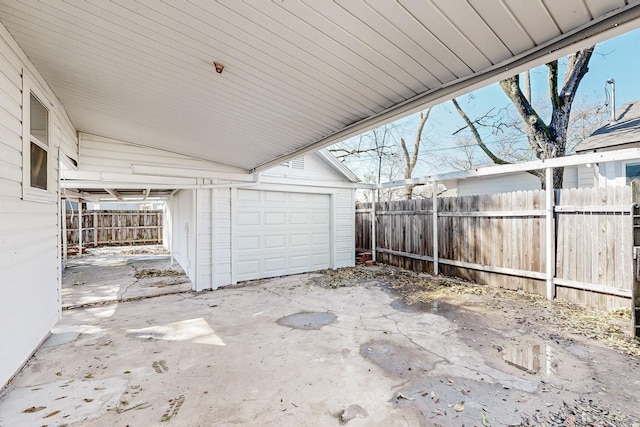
[374,199]
[549,241]
[79,227]
[64,233]
[434,198]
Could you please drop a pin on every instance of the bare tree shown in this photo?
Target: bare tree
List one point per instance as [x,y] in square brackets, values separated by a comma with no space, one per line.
[411,159]
[549,140]
[374,155]
[546,140]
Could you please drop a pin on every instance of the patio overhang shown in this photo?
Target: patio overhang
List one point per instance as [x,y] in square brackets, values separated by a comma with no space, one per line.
[292,76]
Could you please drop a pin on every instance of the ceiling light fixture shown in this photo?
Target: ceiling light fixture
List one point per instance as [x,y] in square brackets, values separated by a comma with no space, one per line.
[219,67]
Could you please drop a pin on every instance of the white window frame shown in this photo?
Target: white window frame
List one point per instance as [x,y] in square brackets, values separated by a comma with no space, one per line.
[28,192]
[624,169]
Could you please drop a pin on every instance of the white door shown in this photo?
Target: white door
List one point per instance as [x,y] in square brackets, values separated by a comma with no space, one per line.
[281,233]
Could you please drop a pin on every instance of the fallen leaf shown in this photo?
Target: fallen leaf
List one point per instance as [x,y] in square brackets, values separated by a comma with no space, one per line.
[402,396]
[485,421]
[459,406]
[52,414]
[34,409]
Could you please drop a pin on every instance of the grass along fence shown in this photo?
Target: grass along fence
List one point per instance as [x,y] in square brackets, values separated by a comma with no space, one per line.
[500,240]
[103,228]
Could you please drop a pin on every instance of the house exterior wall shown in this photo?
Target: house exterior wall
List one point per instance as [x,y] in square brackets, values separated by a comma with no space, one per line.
[574,177]
[183,231]
[29,230]
[113,161]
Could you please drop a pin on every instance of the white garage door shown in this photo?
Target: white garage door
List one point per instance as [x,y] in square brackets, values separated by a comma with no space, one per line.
[281,233]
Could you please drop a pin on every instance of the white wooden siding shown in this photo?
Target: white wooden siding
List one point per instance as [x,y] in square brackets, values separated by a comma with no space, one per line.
[183,231]
[344,231]
[221,237]
[314,168]
[498,184]
[203,243]
[29,231]
[107,155]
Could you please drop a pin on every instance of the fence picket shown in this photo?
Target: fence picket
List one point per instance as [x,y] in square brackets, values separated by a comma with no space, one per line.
[503,243]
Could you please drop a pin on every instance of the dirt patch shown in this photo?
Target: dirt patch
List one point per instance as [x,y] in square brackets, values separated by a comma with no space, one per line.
[582,413]
[418,291]
[152,272]
[126,250]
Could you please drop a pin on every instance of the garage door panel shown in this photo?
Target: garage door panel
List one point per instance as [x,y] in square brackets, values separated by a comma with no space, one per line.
[274,196]
[248,243]
[320,261]
[248,218]
[275,265]
[282,233]
[301,240]
[276,241]
[320,239]
[299,217]
[275,218]
[299,261]
[248,268]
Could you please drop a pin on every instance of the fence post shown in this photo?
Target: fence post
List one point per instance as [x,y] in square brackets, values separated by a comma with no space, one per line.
[95,228]
[374,199]
[635,289]
[434,199]
[550,243]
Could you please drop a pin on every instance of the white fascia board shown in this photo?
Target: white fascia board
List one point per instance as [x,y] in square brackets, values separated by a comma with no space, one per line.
[172,171]
[575,160]
[301,182]
[336,164]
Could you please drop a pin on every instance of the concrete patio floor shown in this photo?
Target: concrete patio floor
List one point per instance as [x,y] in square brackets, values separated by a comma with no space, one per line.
[289,352]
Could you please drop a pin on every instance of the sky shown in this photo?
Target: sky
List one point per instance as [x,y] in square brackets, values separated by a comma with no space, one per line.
[617,58]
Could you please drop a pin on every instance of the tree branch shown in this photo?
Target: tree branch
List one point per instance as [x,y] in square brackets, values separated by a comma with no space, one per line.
[552,81]
[477,136]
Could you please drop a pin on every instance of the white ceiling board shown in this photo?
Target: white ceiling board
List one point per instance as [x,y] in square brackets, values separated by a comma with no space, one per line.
[299,74]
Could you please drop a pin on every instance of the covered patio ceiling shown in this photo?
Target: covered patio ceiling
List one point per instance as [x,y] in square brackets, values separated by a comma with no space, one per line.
[298,74]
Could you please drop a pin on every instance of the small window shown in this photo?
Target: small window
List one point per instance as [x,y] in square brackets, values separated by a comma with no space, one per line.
[632,171]
[39,138]
[38,167]
[37,158]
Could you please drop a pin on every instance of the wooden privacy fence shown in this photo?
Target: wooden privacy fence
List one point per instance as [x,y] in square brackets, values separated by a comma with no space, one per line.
[103,228]
[500,239]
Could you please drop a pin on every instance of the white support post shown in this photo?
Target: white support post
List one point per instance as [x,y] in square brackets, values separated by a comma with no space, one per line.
[374,200]
[434,198]
[550,245]
[169,209]
[214,267]
[64,233]
[79,227]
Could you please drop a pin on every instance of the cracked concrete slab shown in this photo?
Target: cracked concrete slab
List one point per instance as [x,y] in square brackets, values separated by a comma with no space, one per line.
[97,279]
[221,358]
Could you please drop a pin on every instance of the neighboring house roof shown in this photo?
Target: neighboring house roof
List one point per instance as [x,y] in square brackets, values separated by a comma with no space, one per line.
[623,133]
